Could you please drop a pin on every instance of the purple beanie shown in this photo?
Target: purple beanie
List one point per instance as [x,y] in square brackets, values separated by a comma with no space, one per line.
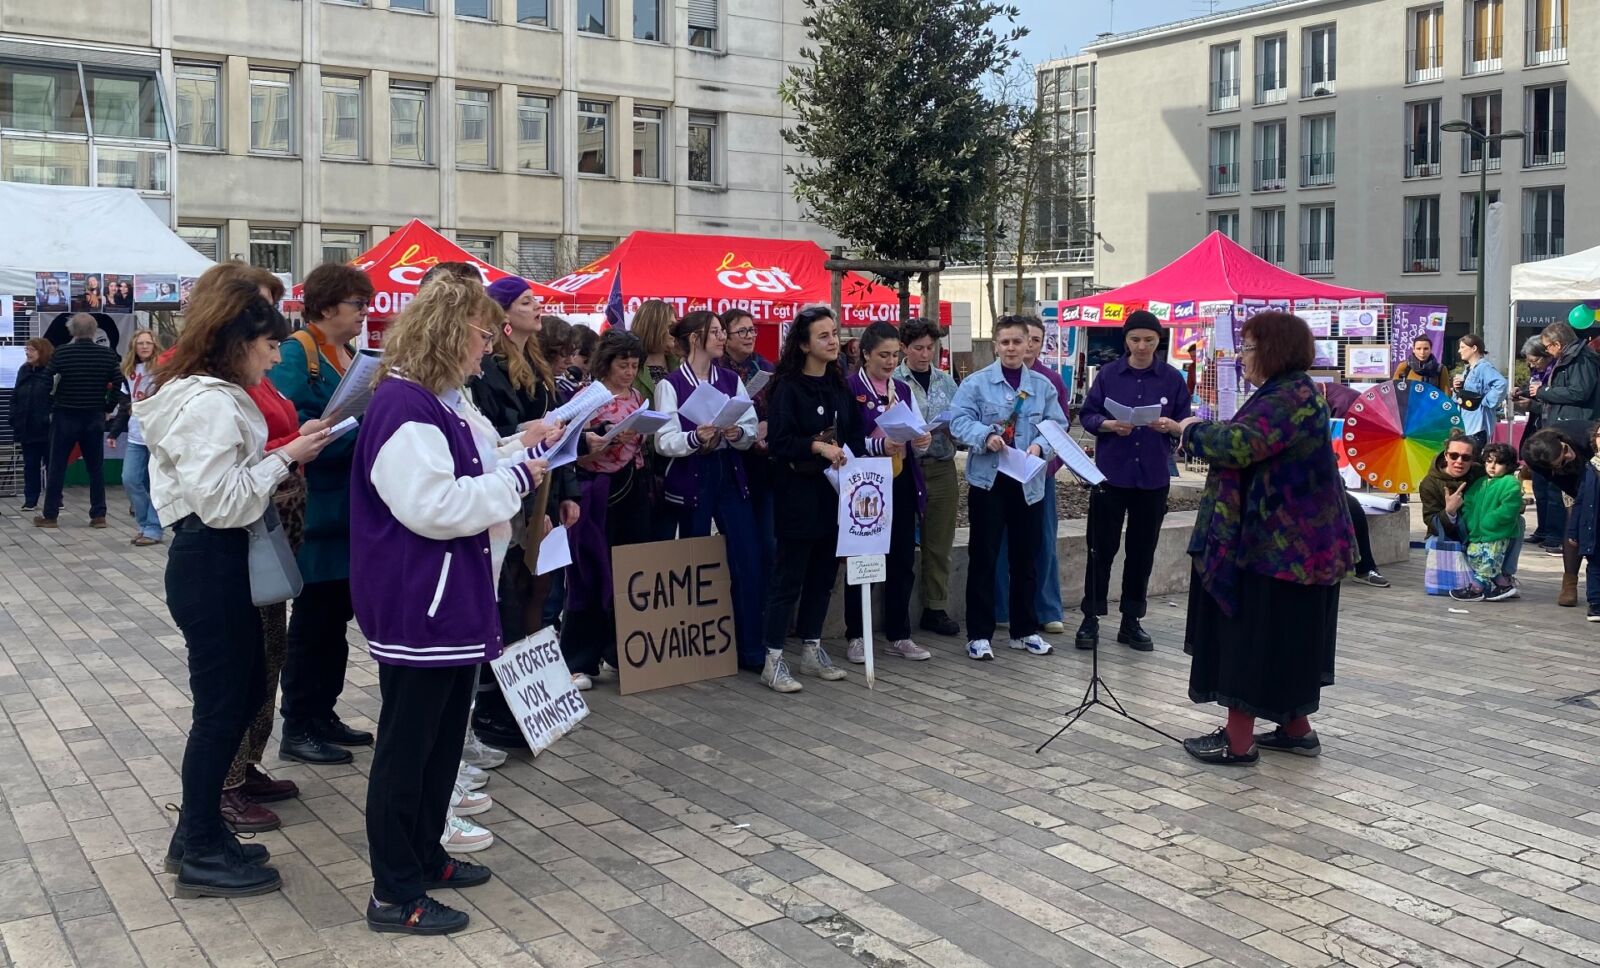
[505,291]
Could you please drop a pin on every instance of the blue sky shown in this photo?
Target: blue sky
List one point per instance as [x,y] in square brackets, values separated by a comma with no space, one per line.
[1060,27]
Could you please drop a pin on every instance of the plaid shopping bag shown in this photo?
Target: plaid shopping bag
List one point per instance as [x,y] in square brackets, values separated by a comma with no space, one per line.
[1446,564]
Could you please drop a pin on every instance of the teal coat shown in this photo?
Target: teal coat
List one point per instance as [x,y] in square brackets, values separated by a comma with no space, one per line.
[325,554]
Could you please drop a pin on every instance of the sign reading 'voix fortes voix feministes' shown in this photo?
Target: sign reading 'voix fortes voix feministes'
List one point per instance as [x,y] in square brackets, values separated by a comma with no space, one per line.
[538,687]
[674,608]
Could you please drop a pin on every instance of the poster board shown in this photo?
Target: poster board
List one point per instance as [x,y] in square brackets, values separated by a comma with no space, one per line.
[674,608]
[538,688]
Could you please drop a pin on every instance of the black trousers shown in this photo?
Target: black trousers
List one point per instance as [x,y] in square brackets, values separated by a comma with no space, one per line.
[420,734]
[208,593]
[35,465]
[86,430]
[1143,511]
[895,619]
[1358,518]
[1002,511]
[589,634]
[805,573]
[314,666]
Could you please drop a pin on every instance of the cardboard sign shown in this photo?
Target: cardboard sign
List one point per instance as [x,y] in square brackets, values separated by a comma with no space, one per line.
[534,678]
[674,605]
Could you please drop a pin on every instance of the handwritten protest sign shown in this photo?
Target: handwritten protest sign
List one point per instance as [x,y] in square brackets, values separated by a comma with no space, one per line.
[674,605]
[534,678]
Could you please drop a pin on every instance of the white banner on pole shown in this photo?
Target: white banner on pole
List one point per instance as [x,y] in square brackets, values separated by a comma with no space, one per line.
[866,506]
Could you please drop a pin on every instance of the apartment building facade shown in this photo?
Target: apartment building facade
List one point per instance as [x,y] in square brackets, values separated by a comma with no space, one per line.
[292,132]
[1310,131]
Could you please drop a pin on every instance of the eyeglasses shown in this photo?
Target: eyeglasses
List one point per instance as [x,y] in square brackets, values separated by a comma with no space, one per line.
[359,305]
[1452,456]
[488,337]
[1246,348]
[743,331]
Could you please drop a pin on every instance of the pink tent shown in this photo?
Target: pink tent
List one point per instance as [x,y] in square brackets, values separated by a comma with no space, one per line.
[1218,270]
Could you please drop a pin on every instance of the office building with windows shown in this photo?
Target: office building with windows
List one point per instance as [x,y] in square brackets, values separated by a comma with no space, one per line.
[292,132]
[1310,131]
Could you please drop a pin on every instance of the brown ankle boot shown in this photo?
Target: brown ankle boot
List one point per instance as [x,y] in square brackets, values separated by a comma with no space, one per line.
[244,815]
[1569,591]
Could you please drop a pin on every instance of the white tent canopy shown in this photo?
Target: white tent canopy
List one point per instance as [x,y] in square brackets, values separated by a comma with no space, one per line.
[1574,277]
[61,229]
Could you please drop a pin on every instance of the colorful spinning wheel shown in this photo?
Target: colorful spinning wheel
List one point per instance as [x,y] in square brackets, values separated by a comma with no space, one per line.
[1394,431]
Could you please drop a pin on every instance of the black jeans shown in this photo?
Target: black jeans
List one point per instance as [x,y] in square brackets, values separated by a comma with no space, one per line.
[1002,511]
[208,594]
[313,668]
[420,733]
[85,430]
[895,619]
[1358,518]
[35,464]
[1144,511]
[806,571]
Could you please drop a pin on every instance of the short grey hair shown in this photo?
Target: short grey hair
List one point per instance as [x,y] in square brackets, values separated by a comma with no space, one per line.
[82,326]
[1559,332]
[1534,346]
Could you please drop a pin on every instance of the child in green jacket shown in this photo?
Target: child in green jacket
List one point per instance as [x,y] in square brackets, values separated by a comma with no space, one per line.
[1492,518]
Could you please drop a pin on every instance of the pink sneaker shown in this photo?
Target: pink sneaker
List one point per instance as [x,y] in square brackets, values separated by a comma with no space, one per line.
[907,649]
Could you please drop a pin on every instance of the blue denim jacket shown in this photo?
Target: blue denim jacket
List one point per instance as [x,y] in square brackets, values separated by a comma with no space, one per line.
[1485,379]
[984,403]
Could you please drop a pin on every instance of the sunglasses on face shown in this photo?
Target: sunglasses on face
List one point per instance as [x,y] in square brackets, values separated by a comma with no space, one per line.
[1452,456]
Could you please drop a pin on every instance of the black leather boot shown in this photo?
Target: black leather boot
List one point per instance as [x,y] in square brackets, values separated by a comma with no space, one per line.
[1088,633]
[220,872]
[335,731]
[305,746]
[1133,635]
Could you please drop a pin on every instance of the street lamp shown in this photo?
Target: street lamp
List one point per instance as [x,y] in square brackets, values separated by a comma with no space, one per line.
[1462,127]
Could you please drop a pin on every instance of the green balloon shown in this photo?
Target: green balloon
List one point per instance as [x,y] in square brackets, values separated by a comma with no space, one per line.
[1581,317]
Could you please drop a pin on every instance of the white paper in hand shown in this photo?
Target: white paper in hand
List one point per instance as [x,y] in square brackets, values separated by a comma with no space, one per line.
[701,407]
[758,382]
[942,420]
[832,473]
[1019,465]
[563,451]
[1140,416]
[354,392]
[1070,453]
[554,551]
[586,401]
[901,424]
[641,421]
[730,413]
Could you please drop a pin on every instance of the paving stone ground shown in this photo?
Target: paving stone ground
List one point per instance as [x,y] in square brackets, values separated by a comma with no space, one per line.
[1452,820]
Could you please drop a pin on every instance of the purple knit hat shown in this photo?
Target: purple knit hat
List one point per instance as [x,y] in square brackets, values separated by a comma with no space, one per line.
[505,291]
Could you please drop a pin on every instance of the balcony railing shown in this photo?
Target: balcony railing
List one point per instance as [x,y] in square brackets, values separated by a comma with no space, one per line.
[1547,45]
[1316,170]
[1272,88]
[1316,259]
[1543,245]
[1469,252]
[1224,180]
[1423,160]
[1420,255]
[1545,148]
[1424,64]
[1225,94]
[1471,165]
[1271,175]
[1317,83]
[1270,251]
[1483,55]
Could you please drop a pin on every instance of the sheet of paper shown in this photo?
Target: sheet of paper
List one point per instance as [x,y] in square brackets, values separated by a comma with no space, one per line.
[342,427]
[642,421]
[758,382]
[942,420]
[901,423]
[832,474]
[1140,416]
[11,360]
[586,401]
[354,392]
[731,412]
[1019,465]
[1070,453]
[554,551]
[702,406]
[565,450]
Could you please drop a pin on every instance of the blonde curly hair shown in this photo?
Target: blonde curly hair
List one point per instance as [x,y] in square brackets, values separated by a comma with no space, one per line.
[427,343]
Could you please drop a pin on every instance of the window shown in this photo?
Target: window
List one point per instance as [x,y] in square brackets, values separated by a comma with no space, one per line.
[1425,59]
[533,12]
[1321,61]
[271,111]
[703,24]
[1269,234]
[1547,32]
[197,94]
[1543,223]
[648,125]
[1272,69]
[475,9]
[533,133]
[1482,111]
[44,162]
[204,239]
[703,148]
[340,246]
[1316,240]
[1486,34]
[593,119]
[1272,156]
[646,19]
[474,129]
[341,117]
[124,105]
[593,250]
[480,247]
[1469,228]
[1546,126]
[41,98]
[419,6]
[272,249]
[536,258]
[592,16]
[1420,252]
[408,123]
[1225,222]
[1225,77]
[1316,146]
[1224,161]
[140,169]
[1422,139]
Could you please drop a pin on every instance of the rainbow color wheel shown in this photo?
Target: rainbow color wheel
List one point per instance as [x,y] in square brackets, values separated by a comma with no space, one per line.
[1394,431]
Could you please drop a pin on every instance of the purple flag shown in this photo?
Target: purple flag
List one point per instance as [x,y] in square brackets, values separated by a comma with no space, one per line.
[614,313]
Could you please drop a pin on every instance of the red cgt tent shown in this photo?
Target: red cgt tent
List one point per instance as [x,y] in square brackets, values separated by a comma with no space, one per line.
[1218,270]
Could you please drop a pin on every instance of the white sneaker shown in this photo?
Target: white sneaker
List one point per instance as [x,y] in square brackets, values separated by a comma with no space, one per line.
[608,673]
[468,803]
[978,649]
[582,681]
[476,753]
[814,661]
[775,674]
[1033,643]
[465,837]
[474,780]
[907,649]
[857,651]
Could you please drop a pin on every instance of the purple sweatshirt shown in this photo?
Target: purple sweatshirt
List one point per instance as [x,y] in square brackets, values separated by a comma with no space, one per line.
[1140,459]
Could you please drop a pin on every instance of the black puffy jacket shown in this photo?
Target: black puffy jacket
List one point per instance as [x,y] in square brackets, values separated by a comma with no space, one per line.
[30,406]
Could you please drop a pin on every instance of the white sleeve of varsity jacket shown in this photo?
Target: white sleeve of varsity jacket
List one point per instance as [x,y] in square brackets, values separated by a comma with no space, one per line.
[672,440]
[415,475]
